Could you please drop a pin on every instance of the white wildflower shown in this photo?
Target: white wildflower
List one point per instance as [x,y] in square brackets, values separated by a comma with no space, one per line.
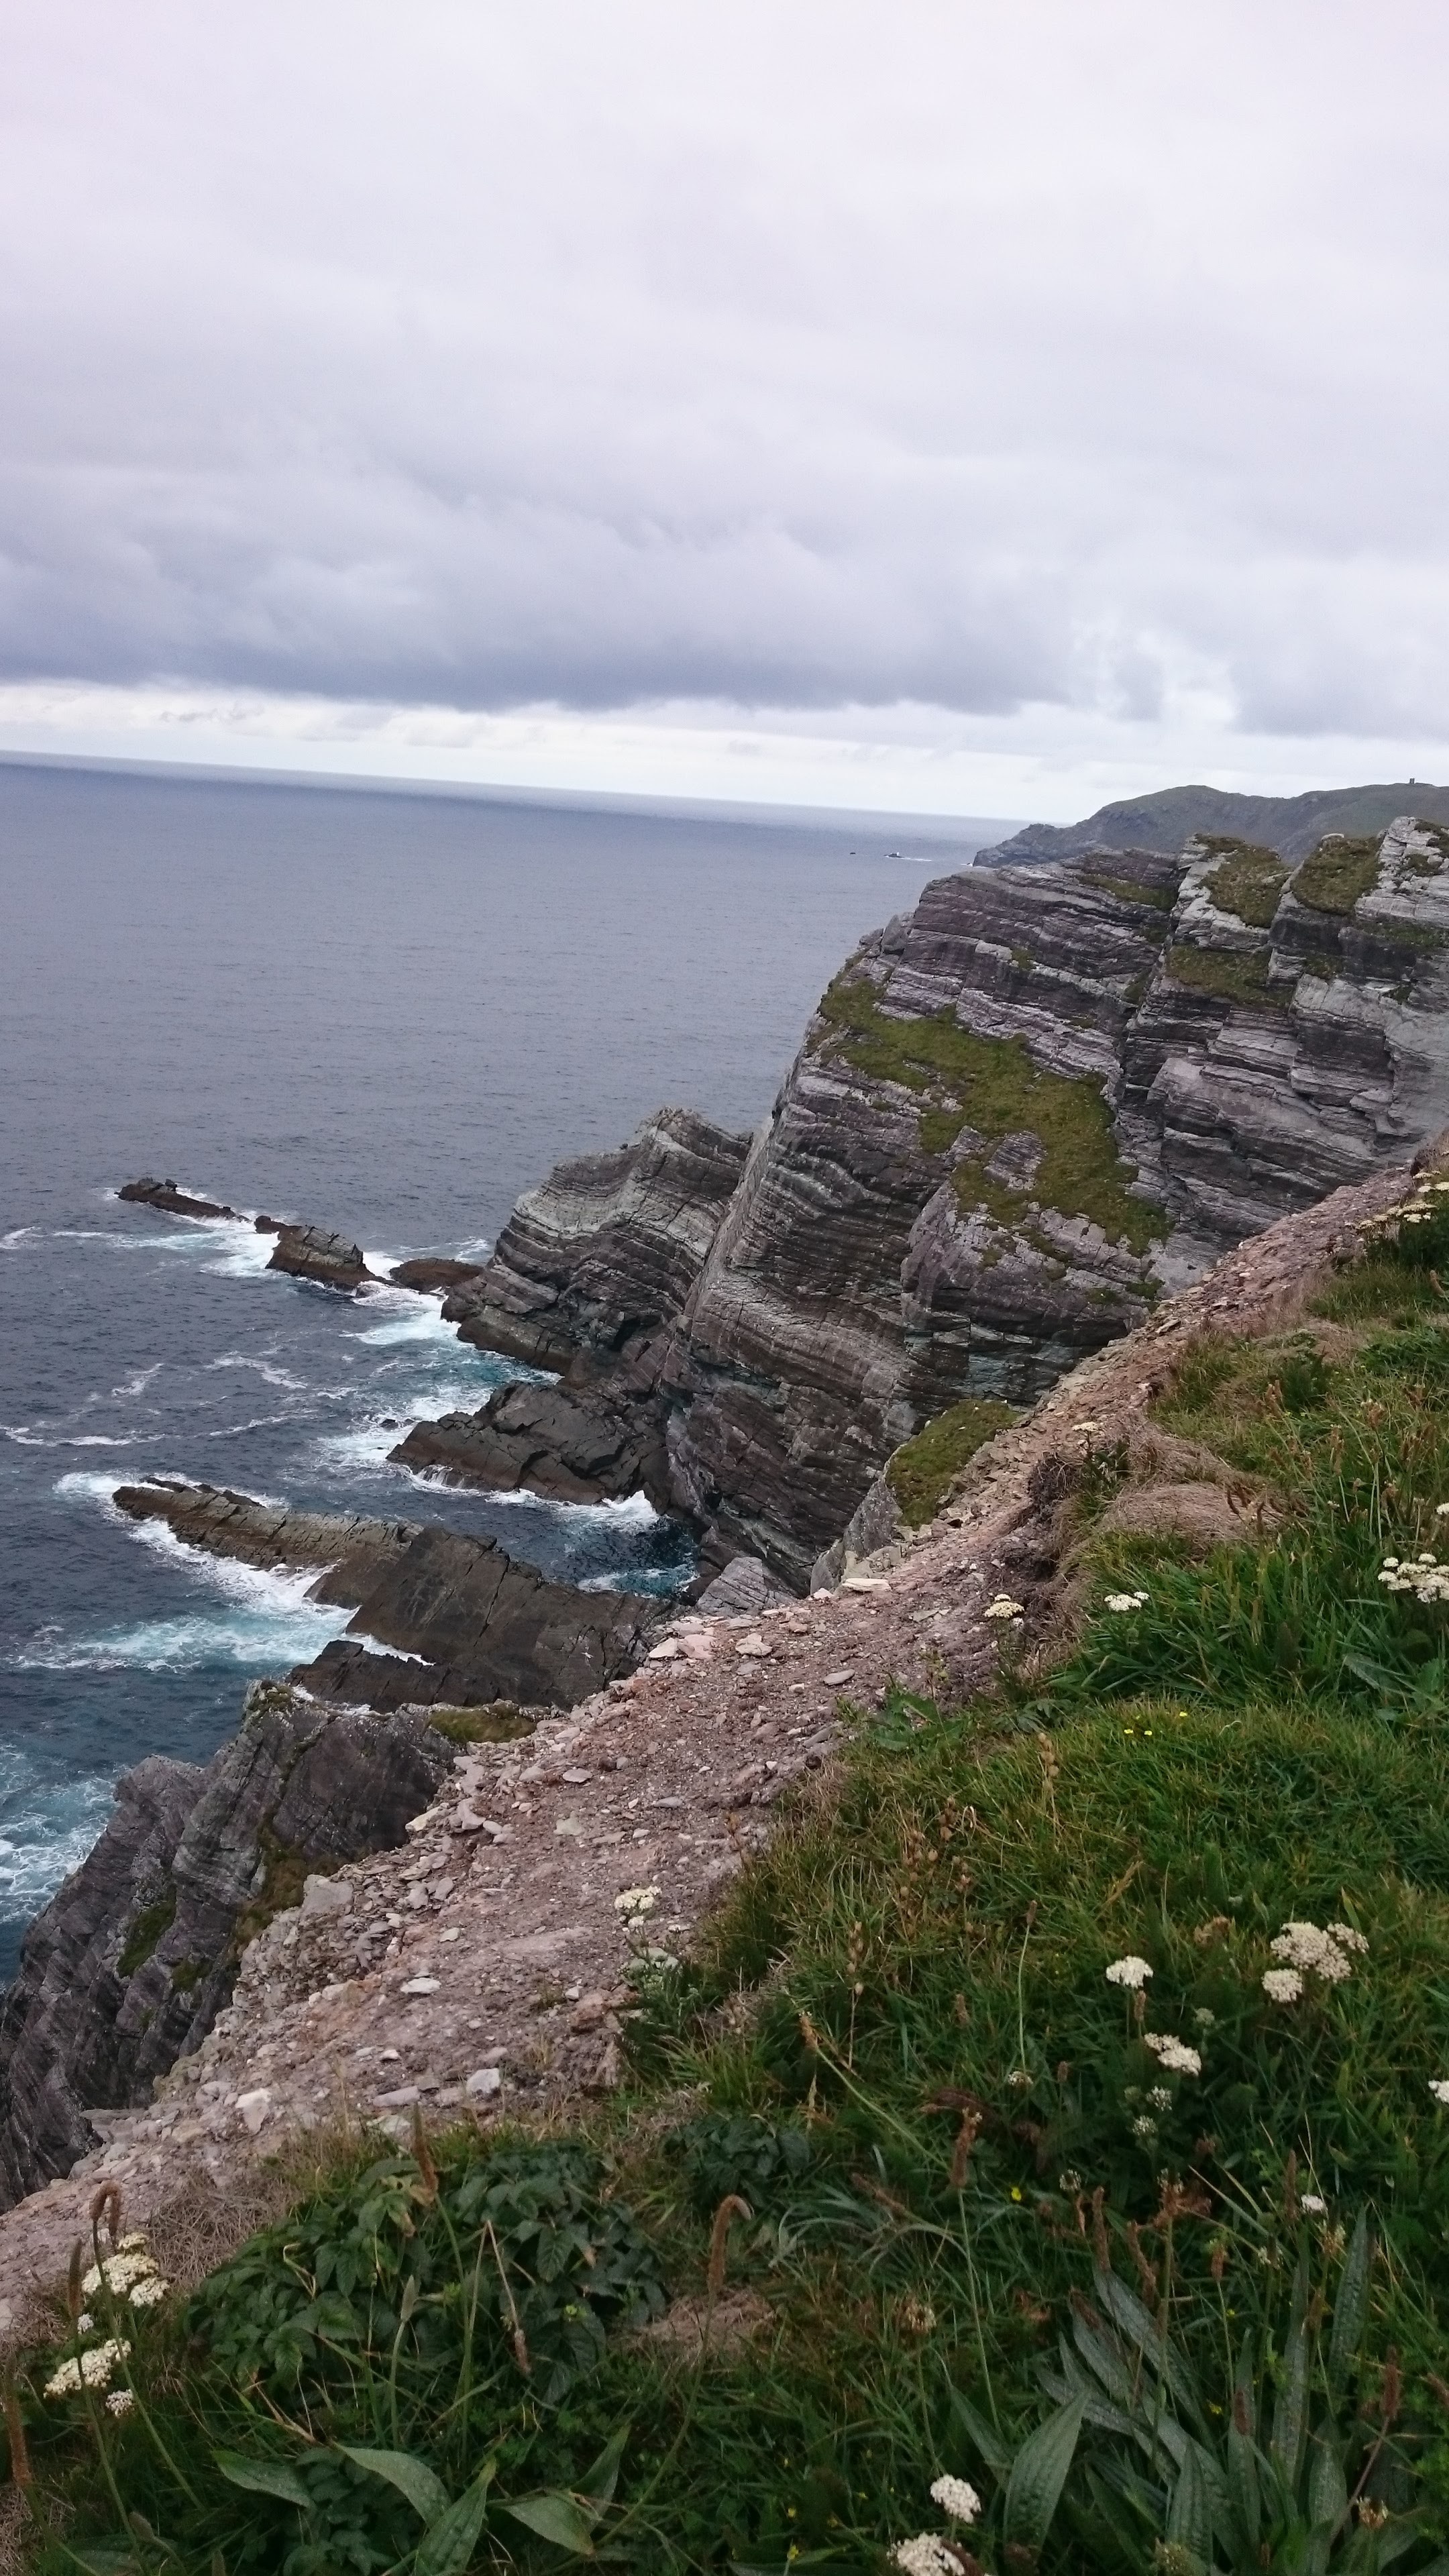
[1439,2087]
[925,2556]
[1160,2098]
[957,2497]
[634,1902]
[1346,1937]
[1069,2181]
[93,2369]
[134,2243]
[1121,1602]
[1282,1985]
[1441,1512]
[1142,2127]
[118,2272]
[1003,1607]
[120,2402]
[1130,1971]
[149,2293]
[1205,2018]
[1173,2054]
[1304,1946]
[85,2323]
[1391,1562]
[1313,2205]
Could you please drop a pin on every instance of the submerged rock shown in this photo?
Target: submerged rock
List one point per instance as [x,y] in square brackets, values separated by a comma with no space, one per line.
[129,1964]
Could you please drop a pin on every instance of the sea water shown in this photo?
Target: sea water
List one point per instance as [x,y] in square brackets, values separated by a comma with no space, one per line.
[387,1012]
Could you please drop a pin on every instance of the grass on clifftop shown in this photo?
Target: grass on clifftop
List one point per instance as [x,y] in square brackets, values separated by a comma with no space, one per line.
[1246,880]
[921,1472]
[1339,871]
[992,1086]
[1070,2097]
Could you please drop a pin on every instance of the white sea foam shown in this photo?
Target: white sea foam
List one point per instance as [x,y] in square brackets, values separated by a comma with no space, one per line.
[264,1621]
[47,1831]
[265,1368]
[19,1234]
[138,1384]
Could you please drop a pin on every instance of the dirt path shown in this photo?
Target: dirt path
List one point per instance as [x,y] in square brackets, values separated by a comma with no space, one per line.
[482,1963]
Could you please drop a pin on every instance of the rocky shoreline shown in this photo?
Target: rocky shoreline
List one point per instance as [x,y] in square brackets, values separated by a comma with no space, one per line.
[1025,1118]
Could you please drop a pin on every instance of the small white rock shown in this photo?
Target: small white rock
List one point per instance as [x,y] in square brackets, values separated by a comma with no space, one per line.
[484,2080]
[422,1985]
[252,2108]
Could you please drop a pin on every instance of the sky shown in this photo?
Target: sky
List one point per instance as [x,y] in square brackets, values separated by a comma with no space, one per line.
[988,408]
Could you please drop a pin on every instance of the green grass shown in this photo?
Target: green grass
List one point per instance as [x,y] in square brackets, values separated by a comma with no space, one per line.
[897,2045]
[1247,881]
[1224,972]
[146,1929]
[921,1472]
[498,1721]
[1128,890]
[1338,872]
[992,1086]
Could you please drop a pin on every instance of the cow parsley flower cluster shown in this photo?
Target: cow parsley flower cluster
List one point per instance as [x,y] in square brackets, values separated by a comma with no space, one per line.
[1123,1602]
[1130,1971]
[1003,1607]
[1424,1576]
[1173,2055]
[633,1903]
[925,2556]
[1439,2087]
[130,2273]
[87,2369]
[1282,1985]
[1321,1954]
[957,2497]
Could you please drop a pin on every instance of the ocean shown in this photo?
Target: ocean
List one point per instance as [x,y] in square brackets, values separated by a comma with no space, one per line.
[380,1010]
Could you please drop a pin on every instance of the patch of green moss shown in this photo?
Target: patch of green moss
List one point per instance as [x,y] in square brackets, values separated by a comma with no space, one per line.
[1248,881]
[1339,871]
[186,1975]
[1127,890]
[1324,967]
[496,1723]
[921,1473]
[287,1872]
[1023,959]
[146,1930]
[1222,972]
[993,1085]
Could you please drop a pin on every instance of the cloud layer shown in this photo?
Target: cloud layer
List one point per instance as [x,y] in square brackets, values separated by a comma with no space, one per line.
[792,358]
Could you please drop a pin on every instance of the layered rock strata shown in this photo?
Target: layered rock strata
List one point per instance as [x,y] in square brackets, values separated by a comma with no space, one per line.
[127,1966]
[591,1264]
[569,1444]
[328,1260]
[482,1626]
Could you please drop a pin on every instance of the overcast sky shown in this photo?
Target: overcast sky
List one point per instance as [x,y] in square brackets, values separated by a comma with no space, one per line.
[985,407]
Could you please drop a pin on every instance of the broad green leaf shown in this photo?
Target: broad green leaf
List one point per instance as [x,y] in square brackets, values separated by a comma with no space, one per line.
[1290,2413]
[600,2481]
[982,2436]
[1350,2311]
[1039,2473]
[1160,2356]
[1189,2514]
[556,2517]
[412,2478]
[448,2544]
[263,2477]
[1327,2486]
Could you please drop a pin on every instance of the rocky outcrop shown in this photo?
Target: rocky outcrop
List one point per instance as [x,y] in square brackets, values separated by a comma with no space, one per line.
[569,1444]
[165,1195]
[1022,1111]
[590,1265]
[431,1272]
[328,1260]
[128,1965]
[482,1626]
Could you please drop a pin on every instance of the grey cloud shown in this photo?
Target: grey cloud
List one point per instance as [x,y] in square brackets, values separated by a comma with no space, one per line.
[788,358]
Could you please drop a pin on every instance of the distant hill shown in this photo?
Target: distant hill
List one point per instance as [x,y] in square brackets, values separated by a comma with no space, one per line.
[1292,825]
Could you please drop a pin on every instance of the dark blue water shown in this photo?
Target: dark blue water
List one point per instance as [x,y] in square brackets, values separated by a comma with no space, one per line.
[383,1011]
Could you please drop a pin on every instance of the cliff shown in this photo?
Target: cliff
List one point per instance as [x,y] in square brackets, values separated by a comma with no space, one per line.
[1020,1113]
[127,1966]
[1290,825]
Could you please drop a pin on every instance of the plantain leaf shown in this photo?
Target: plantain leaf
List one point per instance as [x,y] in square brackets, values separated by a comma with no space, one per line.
[412,2478]
[1189,2512]
[448,2544]
[1290,2413]
[263,2477]
[982,2436]
[1327,2486]
[600,2481]
[1350,2311]
[1039,2473]
[556,2517]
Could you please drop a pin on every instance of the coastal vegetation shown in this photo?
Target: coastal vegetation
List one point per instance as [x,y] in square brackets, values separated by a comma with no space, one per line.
[921,1472]
[992,1086]
[1042,2164]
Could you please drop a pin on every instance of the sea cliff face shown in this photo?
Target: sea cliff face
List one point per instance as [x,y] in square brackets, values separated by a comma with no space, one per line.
[1020,1113]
